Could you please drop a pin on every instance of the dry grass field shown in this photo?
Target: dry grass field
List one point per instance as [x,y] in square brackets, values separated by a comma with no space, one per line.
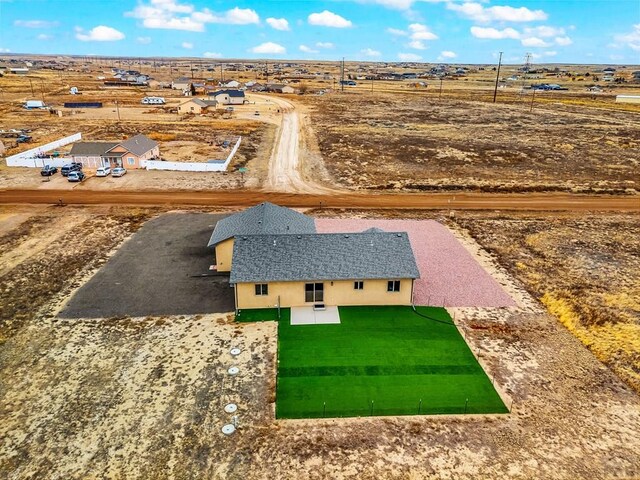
[419,142]
[585,270]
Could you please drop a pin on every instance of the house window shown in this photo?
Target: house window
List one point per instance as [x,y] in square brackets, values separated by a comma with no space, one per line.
[358,285]
[314,292]
[131,161]
[262,289]
[393,286]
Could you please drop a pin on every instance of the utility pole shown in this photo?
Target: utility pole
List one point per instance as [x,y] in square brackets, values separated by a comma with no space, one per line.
[118,110]
[342,77]
[495,90]
[532,99]
[31,83]
[441,79]
[266,71]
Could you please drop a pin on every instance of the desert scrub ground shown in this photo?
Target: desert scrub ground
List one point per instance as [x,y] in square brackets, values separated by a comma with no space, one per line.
[45,252]
[141,398]
[418,142]
[585,270]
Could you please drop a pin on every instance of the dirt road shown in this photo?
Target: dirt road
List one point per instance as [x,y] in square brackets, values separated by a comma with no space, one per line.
[241,198]
[285,169]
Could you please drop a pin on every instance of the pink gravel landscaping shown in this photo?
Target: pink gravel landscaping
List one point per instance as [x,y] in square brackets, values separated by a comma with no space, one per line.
[450,276]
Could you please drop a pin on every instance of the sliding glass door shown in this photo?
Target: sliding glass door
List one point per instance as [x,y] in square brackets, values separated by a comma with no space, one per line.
[314,292]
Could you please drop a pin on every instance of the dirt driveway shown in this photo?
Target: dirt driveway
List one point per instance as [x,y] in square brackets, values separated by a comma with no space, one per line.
[156,272]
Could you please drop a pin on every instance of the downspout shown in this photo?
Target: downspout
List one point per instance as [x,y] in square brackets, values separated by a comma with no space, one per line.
[235,298]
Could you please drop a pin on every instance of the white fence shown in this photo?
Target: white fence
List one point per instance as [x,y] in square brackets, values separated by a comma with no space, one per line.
[30,158]
[192,166]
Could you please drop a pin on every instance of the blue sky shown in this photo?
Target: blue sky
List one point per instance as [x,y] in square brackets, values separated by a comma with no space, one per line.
[456,31]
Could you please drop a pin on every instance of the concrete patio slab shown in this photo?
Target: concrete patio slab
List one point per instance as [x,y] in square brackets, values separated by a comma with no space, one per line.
[309,316]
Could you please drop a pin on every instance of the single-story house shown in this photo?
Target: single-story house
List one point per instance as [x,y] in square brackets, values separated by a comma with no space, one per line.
[181,84]
[279,88]
[229,97]
[129,153]
[90,153]
[231,84]
[196,106]
[627,98]
[275,257]
[132,152]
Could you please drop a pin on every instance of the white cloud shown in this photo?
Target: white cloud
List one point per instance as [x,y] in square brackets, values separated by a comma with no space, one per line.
[417,44]
[395,4]
[268,48]
[447,54]
[143,40]
[278,23]
[212,55]
[563,41]
[324,45]
[397,32]
[35,24]
[172,15]
[44,37]
[409,57]
[421,32]
[550,53]
[187,45]
[631,39]
[305,49]
[369,52]
[477,12]
[494,33]
[534,42]
[4,50]
[328,19]
[538,56]
[101,33]
[544,31]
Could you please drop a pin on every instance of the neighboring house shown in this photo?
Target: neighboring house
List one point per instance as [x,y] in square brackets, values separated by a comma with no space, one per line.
[279,88]
[35,105]
[132,152]
[129,153]
[90,153]
[19,71]
[196,106]
[229,97]
[275,258]
[627,98]
[231,84]
[181,84]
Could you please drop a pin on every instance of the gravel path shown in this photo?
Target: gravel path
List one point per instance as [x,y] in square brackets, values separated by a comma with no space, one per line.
[450,276]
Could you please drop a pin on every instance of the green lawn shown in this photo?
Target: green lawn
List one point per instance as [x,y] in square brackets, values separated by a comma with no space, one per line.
[404,363]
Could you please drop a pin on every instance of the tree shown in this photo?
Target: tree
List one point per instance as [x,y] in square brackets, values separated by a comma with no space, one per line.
[193,89]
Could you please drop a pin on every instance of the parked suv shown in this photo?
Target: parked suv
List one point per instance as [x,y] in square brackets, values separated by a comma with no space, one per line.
[48,170]
[70,167]
[103,171]
[76,176]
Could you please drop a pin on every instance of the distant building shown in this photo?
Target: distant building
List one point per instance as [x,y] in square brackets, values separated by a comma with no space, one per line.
[182,83]
[627,98]
[19,71]
[35,105]
[196,106]
[280,88]
[229,97]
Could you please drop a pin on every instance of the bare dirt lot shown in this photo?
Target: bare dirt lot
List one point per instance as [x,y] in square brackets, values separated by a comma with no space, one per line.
[420,142]
[140,398]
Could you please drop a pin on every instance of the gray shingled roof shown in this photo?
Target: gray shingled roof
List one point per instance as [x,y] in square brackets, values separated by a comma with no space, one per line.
[322,256]
[91,149]
[231,93]
[139,144]
[264,218]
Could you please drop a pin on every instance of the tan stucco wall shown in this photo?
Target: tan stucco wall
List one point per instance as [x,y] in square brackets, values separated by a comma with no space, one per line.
[224,252]
[340,293]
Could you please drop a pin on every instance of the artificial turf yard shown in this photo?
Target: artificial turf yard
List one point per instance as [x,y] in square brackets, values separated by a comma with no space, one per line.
[404,363]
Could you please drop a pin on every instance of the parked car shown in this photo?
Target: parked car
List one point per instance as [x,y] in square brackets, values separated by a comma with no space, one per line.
[103,171]
[23,139]
[76,176]
[70,167]
[48,170]
[118,172]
